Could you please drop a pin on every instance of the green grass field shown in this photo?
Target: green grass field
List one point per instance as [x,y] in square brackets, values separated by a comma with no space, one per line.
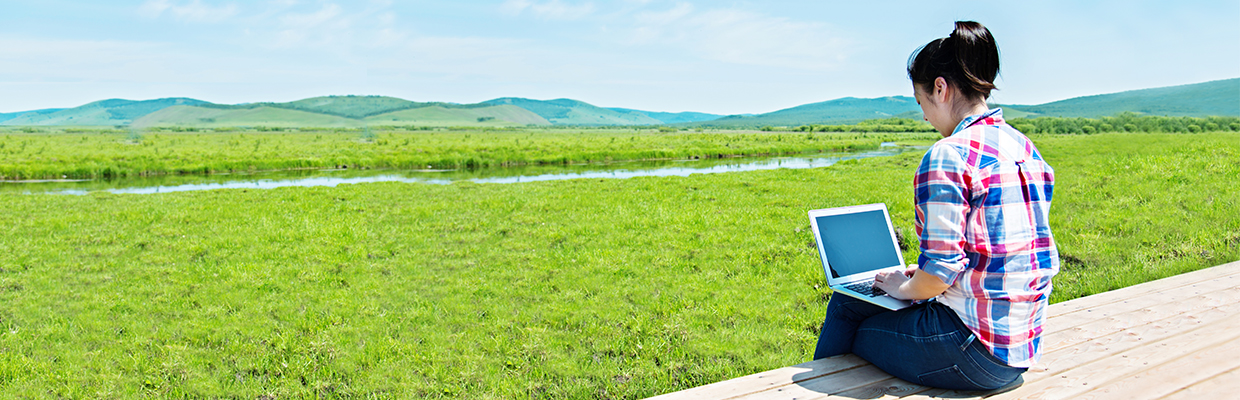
[564,289]
[110,153]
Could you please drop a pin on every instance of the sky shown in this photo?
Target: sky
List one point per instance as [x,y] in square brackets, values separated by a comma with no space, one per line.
[722,57]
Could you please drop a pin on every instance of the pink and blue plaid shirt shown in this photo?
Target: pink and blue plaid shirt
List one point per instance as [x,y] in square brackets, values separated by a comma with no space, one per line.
[983,197]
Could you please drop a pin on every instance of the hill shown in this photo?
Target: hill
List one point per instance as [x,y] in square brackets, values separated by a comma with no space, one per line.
[1214,98]
[669,118]
[839,111]
[9,116]
[574,112]
[103,112]
[210,117]
[361,106]
[267,115]
[349,106]
[438,115]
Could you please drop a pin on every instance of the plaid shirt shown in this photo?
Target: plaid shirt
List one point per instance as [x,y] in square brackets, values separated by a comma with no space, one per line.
[983,196]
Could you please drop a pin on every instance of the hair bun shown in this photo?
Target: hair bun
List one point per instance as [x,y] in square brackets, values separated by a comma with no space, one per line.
[968,58]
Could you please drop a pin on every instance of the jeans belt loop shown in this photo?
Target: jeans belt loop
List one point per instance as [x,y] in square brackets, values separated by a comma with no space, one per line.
[968,341]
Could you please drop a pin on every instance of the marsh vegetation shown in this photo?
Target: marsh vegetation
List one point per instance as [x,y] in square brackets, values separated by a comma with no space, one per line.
[582,288]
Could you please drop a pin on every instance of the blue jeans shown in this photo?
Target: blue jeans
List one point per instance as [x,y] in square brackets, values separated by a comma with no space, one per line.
[925,344]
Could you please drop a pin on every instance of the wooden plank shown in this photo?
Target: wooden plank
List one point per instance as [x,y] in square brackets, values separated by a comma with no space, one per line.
[1069,361]
[959,394]
[1134,291]
[892,388]
[1083,377]
[1089,341]
[1058,337]
[1071,319]
[823,385]
[1063,359]
[1167,378]
[769,379]
[1220,386]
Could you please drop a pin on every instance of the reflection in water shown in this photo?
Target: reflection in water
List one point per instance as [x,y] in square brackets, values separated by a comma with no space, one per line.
[305,178]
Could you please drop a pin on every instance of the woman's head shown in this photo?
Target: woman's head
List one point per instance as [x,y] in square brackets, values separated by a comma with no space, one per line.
[959,69]
[968,60]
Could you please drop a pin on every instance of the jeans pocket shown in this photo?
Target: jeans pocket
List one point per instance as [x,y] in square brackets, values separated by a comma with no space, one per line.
[948,378]
[990,371]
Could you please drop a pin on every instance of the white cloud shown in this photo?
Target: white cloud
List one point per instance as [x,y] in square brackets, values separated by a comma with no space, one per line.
[553,9]
[741,37]
[73,60]
[320,27]
[311,20]
[340,29]
[194,11]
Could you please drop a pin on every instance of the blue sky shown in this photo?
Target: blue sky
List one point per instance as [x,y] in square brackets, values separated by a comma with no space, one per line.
[724,57]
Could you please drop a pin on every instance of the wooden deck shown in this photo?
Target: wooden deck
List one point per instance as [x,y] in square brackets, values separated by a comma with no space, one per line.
[1175,338]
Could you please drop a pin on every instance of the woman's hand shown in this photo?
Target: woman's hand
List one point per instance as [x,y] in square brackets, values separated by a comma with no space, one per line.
[910,284]
[891,281]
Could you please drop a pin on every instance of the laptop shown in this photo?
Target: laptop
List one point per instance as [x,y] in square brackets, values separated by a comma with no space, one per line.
[855,243]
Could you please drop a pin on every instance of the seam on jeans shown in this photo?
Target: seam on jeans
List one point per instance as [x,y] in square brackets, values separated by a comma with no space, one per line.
[968,354]
[960,372]
[911,337]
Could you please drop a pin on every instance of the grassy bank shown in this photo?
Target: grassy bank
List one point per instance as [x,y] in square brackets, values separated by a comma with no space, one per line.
[1130,208]
[566,289]
[108,153]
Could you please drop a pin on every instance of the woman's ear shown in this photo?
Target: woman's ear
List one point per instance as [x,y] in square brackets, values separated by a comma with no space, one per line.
[941,89]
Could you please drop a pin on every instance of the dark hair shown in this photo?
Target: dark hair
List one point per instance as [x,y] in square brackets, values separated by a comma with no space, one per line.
[968,60]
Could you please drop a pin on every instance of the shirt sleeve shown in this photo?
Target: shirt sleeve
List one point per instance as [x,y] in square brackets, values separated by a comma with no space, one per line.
[942,188]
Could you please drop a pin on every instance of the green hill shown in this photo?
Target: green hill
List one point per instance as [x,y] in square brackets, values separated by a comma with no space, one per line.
[103,112]
[360,106]
[9,116]
[573,112]
[839,111]
[209,117]
[1214,98]
[349,106]
[496,115]
[265,115]
[667,117]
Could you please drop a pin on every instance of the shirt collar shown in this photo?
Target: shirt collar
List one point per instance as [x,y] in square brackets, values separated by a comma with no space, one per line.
[992,117]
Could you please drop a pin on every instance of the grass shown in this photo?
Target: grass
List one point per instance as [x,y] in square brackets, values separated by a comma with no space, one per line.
[1142,207]
[109,153]
[565,289]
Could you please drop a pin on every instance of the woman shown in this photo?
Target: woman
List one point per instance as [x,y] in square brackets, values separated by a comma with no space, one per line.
[982,198]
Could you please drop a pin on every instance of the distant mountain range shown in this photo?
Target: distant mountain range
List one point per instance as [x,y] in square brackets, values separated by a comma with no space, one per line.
[1217,98]
[1220,98]
[838,111]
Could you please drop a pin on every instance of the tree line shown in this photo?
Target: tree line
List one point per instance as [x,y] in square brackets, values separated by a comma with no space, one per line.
[1126,122]
[1123,122]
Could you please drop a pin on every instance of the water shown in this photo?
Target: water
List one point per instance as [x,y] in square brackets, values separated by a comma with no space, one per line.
[332,177]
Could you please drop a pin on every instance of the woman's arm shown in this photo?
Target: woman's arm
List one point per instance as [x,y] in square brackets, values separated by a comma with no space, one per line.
[920,287]
[943,189]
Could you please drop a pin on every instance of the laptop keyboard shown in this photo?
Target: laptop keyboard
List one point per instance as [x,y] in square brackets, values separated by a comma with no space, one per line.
[866,288]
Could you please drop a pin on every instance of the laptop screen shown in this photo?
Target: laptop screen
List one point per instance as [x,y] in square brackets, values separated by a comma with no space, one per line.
[857,242]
